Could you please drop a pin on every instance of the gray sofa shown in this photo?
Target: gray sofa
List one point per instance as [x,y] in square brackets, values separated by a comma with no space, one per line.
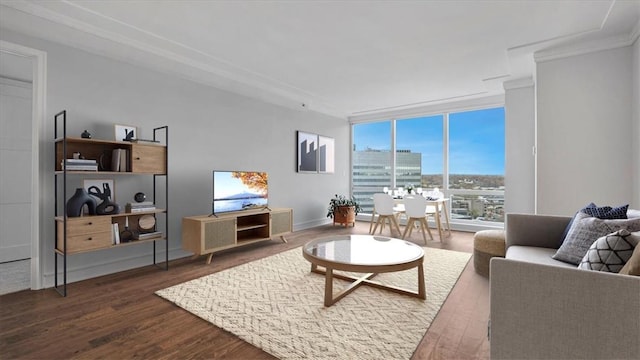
[546,309]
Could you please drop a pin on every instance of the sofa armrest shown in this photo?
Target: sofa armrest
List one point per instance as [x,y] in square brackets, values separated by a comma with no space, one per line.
[535,230]
[546,312]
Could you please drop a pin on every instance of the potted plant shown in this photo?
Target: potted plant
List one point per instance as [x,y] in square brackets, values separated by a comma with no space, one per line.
[343,210]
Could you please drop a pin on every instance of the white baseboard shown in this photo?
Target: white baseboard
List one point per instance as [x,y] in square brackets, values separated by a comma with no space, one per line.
[311,223]
[95,269]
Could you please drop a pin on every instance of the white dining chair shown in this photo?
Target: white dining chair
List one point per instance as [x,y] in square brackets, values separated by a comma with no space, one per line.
[384,204]
[416,210]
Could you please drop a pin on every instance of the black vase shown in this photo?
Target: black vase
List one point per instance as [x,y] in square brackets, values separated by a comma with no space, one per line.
[77,201]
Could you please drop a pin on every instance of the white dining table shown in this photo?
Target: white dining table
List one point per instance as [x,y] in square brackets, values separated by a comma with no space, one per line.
[441,208]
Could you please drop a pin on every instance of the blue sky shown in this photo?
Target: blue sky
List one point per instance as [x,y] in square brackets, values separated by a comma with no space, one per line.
[476,144]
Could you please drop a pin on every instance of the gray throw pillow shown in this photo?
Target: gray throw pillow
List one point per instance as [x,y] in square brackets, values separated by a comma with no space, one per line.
[610,252]
[585,230]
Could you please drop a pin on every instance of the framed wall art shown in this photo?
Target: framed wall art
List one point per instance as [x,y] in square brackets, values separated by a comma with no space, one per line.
[125,132]
[307,148]
[315,153]
[326,155]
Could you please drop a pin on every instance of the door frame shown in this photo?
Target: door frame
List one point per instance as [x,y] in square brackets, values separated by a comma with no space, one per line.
[38,60]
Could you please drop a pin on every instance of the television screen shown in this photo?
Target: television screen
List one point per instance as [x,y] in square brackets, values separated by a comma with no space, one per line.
[239,190]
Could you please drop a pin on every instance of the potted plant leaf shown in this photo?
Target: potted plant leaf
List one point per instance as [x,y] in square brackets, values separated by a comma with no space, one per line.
[343,210]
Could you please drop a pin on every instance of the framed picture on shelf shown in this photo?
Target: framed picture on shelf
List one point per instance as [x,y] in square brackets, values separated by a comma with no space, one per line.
[100,187]
[326,155]
[125,132]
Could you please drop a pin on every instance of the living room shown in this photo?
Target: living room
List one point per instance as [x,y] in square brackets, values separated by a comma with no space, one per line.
[578,107]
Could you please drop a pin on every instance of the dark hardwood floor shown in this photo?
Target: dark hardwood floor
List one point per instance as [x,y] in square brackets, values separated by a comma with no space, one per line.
[118,316]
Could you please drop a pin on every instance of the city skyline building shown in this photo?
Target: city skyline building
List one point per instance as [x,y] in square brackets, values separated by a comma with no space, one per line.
[372,172]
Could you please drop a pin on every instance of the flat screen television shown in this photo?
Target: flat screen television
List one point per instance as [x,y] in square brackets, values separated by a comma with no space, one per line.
[239,190]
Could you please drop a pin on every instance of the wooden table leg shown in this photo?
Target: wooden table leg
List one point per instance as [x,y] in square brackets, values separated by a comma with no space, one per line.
[446,216]
[328,287]
[422,291]
[209,258]
[284,240]
[373,215]
[438,222]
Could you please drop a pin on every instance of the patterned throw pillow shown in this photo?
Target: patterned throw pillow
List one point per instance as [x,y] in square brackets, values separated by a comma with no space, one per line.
[606,212]
[585,230]
[610,252]
[602,212]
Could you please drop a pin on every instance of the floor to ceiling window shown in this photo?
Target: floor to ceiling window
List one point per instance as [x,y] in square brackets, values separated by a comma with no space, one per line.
[419,152]
[460,153]
[371,161]
[476,165]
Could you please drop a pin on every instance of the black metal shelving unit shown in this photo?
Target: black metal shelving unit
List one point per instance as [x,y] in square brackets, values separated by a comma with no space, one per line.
[60,119]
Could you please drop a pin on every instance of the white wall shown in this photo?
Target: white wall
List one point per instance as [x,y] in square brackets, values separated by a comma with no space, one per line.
[16,225]
[584,117]
[635,141]
[519,141]
[209,129]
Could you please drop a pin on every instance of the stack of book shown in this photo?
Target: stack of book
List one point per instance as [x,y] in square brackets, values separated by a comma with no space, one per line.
[79,165]
[149,235]
[120,160]
[140,207]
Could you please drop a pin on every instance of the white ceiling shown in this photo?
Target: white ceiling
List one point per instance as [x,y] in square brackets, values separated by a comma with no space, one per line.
[338,57]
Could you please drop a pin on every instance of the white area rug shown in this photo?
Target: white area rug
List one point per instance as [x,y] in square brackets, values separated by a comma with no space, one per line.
[276,304]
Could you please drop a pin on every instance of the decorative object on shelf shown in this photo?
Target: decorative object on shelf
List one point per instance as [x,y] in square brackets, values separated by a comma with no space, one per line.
[140,207]
[77,201]
[146,223]
[125,132]
[128,234]
[140,197]
[107,206]
[99,183]
[343,210]
[85,135]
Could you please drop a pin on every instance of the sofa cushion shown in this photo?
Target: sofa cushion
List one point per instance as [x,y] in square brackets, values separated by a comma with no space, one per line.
[633,213]
[533,254]
[610,252]
[585,230]
[632,267]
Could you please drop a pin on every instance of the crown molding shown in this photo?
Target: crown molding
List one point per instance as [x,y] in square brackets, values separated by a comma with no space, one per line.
[518,83]
[458,103]
[583,48]
[214,71]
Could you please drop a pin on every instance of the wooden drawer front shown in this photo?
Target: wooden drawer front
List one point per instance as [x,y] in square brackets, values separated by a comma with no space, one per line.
[280,223]
[149,159]
[219,233]
[85,225]
[86,242]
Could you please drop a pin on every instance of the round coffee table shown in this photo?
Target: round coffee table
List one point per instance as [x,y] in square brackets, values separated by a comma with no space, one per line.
[363,254]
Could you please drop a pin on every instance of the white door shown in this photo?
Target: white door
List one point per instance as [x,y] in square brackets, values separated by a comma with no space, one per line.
[15,170]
